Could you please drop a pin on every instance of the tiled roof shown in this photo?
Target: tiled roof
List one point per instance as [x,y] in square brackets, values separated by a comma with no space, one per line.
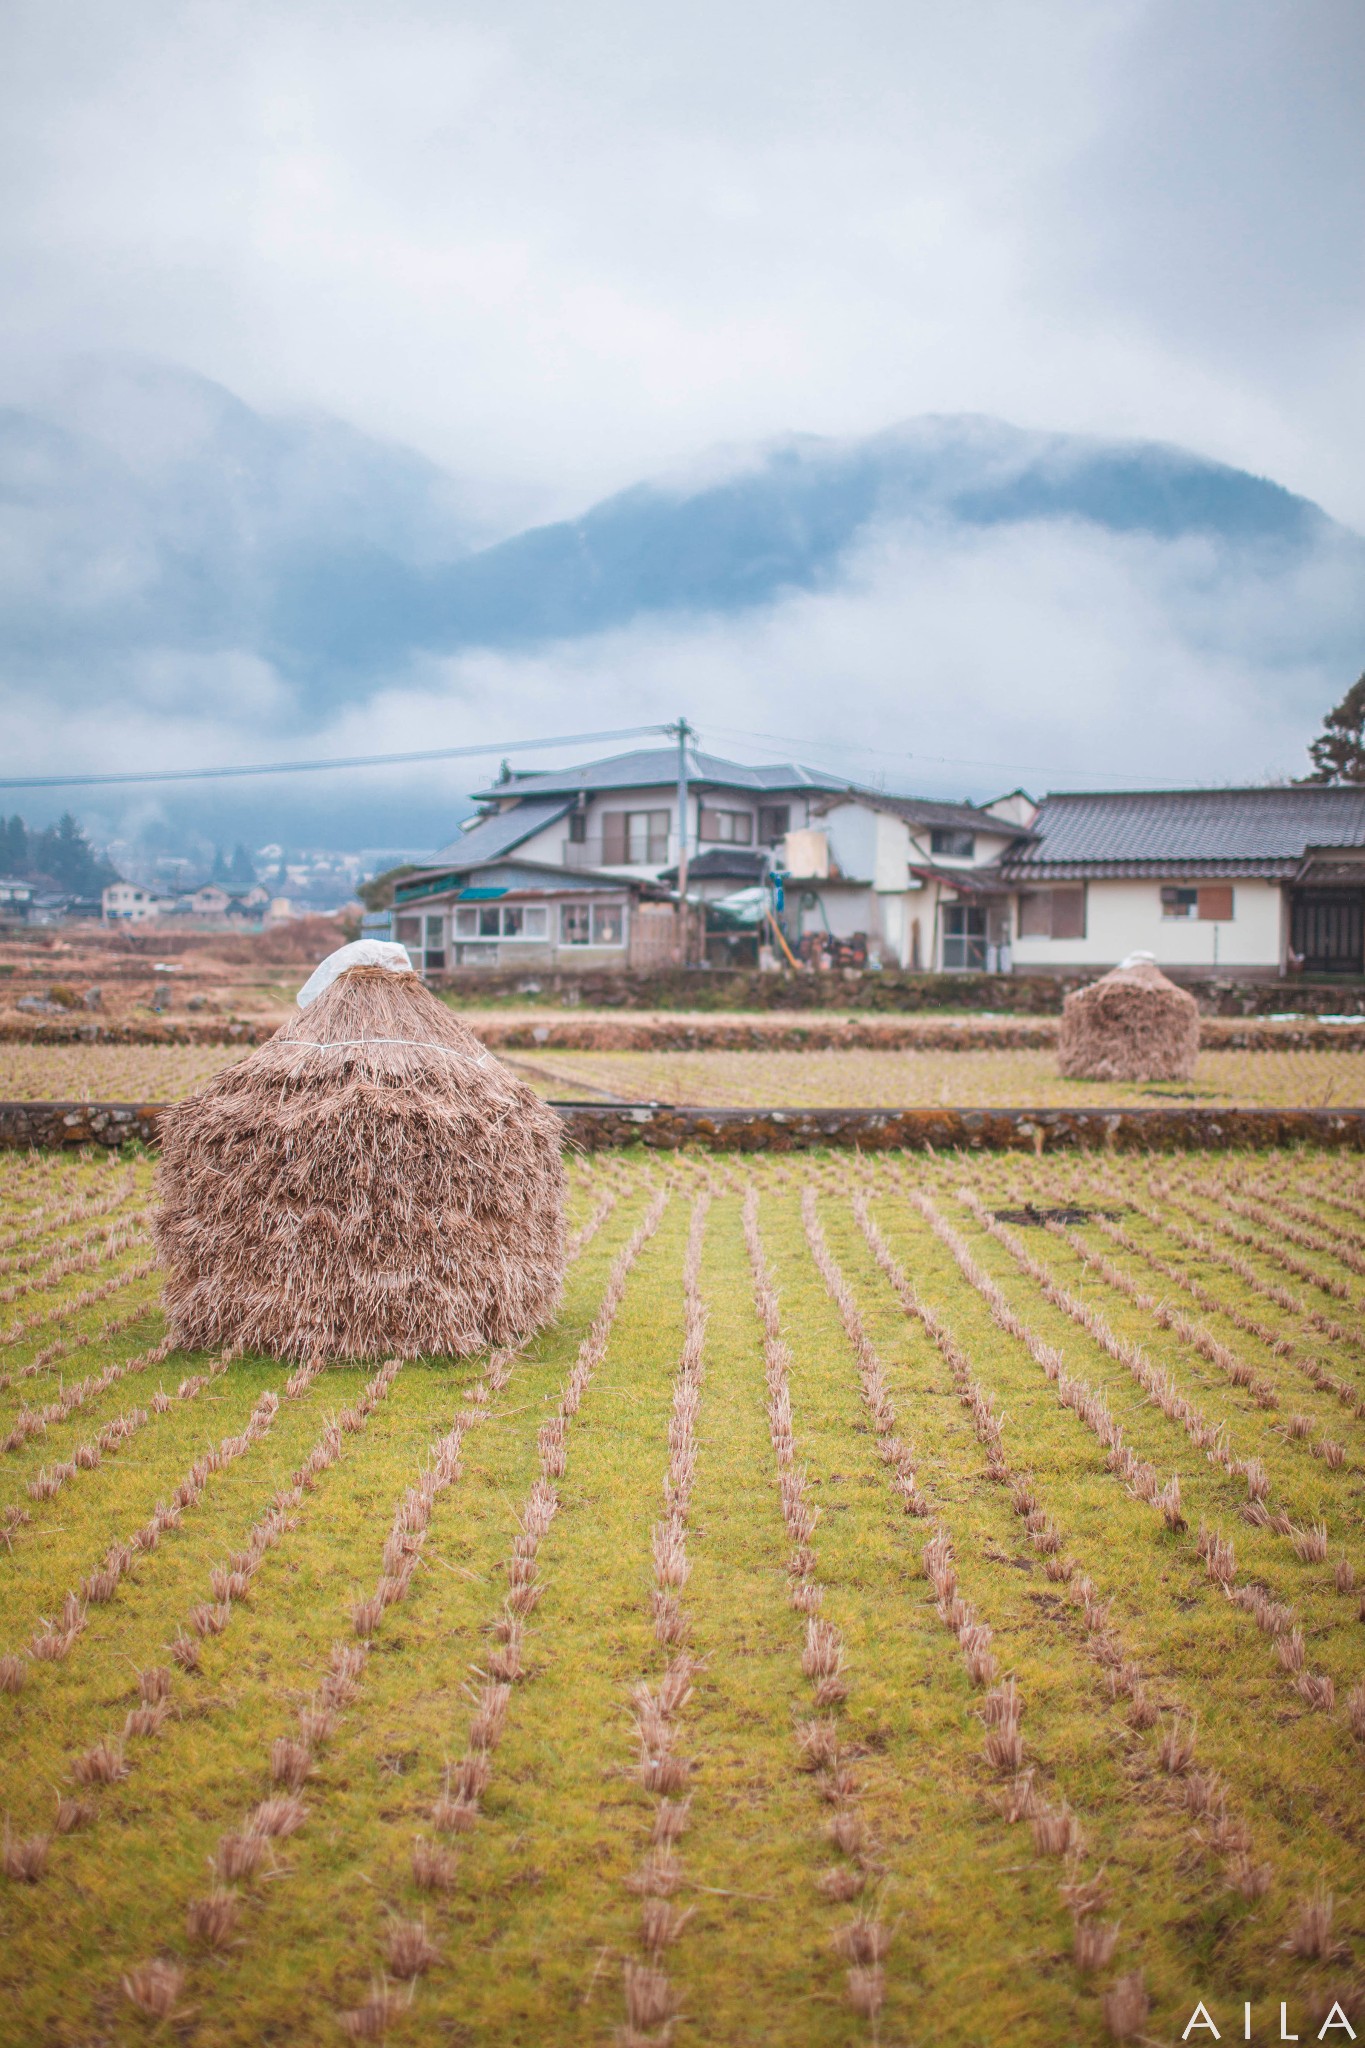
[1326,872]
[499,832]
[540,877]
[1229,832]
[917,810]
[723,863]
[657,768]
[989,879]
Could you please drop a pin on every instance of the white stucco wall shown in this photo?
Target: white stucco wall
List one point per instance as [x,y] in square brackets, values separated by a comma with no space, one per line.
[1125,917]
[546,845]
[891,860]
[878,846]
[895,925]
[852,834]
[920,843]
[847,910]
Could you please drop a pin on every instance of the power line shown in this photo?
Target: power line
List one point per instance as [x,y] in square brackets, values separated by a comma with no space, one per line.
[938,760]
[582,739]
[573,739]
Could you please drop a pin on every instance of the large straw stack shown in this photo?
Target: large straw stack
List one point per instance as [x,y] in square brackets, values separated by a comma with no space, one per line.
[369,1182]
[1133,1024]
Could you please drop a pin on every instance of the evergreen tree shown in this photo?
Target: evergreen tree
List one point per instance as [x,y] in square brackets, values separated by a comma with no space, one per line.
[63,854]
[220,867]
[1338,752]
[377,893]
[14,857]
[242,872]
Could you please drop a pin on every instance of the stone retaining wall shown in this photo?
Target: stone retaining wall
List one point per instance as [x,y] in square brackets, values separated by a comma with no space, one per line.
[622,1032]
[78,1123]
[1036,994]
[598,1126]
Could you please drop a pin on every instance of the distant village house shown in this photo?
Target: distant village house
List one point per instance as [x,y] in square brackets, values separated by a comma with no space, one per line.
[206,908]
[580,868]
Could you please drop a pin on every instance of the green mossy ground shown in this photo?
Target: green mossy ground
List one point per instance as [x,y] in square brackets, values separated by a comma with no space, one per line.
[535,1932]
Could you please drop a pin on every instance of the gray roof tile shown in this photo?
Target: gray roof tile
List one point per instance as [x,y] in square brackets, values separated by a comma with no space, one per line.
[499,833]
[528,875]
[657,768]
[923,810]
[1216,831]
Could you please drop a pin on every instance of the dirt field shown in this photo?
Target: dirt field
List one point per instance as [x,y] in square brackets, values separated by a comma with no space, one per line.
[1016,1078]
[205,977]
[872,1611]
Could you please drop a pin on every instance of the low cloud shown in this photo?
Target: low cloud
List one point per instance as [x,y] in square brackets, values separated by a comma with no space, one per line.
[947,661]
[944,661]
[560,245]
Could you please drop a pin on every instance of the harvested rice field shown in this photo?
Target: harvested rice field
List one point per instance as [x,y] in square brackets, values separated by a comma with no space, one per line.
[110,1073]
[820,1079]
[964,1080]
[901,1598]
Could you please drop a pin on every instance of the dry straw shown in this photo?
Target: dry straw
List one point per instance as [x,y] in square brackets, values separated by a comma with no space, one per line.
[1130,1025]
[370,1181]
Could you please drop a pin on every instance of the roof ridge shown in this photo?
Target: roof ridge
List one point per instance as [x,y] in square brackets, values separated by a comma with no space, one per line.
[1267,789]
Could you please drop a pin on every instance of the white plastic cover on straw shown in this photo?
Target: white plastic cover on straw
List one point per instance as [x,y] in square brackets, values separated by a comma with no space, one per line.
[361,953]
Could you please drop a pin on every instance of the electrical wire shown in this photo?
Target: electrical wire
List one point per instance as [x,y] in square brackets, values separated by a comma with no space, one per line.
[485,748]
[786,739]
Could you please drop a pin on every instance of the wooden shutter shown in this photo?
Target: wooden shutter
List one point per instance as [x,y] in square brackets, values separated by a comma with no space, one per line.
[1035,914]
[1215,902]
[614,838]
[1068,913]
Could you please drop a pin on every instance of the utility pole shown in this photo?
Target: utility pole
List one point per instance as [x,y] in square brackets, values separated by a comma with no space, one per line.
[685,733]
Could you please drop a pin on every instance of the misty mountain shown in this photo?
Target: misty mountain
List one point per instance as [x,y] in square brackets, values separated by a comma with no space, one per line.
[791,512]
[143,507]
[147,514]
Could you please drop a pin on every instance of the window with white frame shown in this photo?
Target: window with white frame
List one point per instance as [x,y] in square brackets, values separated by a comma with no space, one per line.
[592,924]
[502,921]
[634,838]
[726,828]
[964,937]
[434,942]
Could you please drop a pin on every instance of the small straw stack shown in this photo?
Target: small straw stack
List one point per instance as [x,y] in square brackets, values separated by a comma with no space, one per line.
[1133,1024]
[368,1183]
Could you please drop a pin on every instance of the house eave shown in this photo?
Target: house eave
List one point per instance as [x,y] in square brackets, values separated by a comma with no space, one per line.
[548,880]
[1038,874]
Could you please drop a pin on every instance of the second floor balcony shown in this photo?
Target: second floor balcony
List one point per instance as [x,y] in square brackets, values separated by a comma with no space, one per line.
[652,848]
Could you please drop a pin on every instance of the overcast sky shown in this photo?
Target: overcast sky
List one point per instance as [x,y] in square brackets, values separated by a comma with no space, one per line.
[562,246]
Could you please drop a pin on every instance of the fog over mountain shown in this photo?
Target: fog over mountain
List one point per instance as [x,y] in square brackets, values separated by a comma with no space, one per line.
[931,603]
